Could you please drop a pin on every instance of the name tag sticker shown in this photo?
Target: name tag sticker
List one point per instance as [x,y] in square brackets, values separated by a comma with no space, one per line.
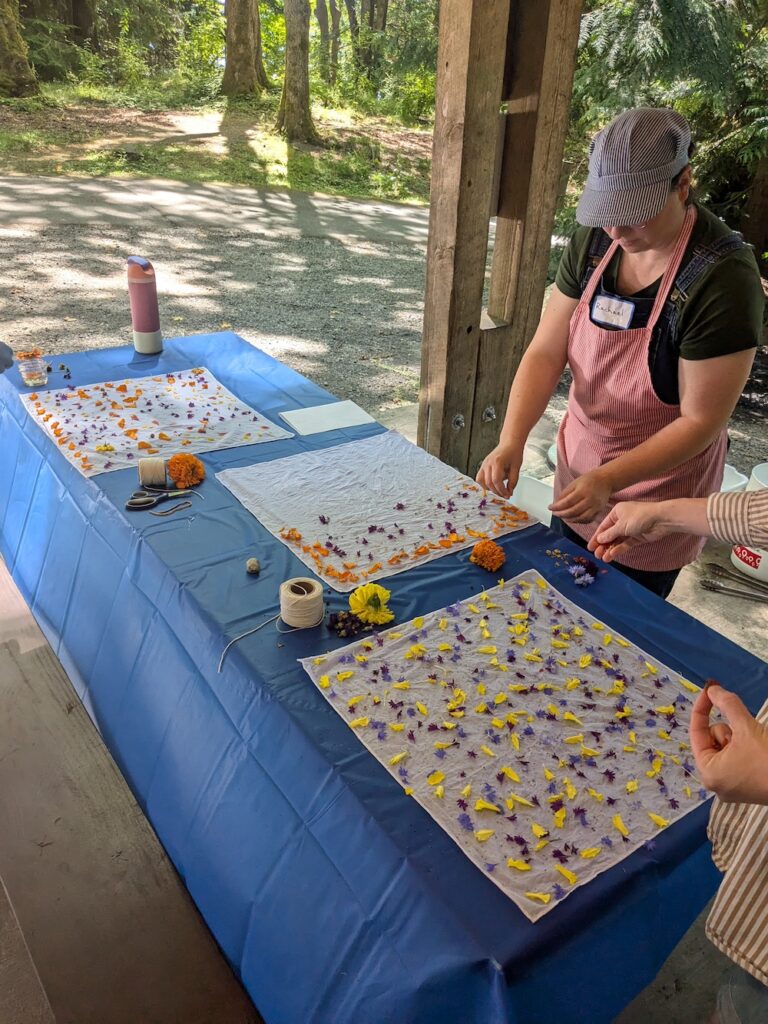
[613,311]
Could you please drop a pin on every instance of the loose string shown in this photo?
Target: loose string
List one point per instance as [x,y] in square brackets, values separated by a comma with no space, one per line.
[302,606]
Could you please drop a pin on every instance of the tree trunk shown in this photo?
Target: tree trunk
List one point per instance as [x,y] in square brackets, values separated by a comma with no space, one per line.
[754,219]
[240,73]
[258,58]
[380,9]
[16,76]
[294,118]
[335,40]
[354,30]
[84,23]
[321,13]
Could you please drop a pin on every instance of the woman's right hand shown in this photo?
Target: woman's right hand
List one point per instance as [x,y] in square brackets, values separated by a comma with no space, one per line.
[500,469]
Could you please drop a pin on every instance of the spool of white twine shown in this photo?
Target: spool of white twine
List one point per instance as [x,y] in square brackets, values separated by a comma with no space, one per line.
[302,606]
[301,603]
[152,473]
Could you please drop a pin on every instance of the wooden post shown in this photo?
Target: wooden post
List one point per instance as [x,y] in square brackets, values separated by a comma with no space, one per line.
[521,52]
[471,58]
[538,85]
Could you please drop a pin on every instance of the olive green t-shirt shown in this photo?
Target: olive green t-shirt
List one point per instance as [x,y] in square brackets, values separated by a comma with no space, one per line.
[724,309]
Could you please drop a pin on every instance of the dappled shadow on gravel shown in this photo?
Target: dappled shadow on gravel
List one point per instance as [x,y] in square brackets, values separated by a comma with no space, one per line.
[346,314]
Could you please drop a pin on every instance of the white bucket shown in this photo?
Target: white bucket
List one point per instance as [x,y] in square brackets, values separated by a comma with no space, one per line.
[733,480]
[753,561]
[534,496]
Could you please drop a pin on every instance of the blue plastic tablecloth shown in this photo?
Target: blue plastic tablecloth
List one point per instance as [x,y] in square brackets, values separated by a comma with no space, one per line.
[336,897]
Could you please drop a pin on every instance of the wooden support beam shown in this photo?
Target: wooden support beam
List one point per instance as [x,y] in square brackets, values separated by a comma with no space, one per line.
[538,85]
[471,59]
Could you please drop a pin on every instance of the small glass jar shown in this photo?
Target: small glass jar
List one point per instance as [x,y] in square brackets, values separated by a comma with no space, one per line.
[33,371]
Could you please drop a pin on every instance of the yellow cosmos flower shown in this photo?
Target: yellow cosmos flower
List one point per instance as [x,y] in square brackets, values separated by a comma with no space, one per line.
[369,603]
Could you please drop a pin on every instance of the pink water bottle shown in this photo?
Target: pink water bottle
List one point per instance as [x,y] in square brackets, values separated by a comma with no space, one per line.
[145,315]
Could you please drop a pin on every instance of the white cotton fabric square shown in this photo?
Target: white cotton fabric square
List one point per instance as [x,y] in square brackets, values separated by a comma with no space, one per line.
[108,426]
[546,745]
[369,509]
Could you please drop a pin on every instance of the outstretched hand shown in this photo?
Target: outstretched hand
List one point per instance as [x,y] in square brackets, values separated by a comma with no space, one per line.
[732,759]
[627,524]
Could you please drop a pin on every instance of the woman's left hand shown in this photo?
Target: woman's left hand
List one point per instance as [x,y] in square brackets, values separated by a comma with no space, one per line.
[585,499]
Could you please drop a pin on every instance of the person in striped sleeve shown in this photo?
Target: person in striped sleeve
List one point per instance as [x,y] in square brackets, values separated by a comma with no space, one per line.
[732,759]
[657,311]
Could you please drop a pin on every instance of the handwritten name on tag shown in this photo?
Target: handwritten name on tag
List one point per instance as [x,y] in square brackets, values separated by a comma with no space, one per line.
[613,311]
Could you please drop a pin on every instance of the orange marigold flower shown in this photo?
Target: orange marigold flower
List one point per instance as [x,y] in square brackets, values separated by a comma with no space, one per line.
[185,470]
[488,555]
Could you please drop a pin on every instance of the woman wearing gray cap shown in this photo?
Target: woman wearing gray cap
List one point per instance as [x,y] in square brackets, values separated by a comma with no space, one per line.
[657,310]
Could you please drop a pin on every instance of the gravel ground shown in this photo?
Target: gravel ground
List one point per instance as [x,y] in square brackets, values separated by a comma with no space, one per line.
[347,314]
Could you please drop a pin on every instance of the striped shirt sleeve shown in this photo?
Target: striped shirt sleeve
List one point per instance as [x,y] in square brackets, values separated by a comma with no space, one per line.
[738,921]
[740,517]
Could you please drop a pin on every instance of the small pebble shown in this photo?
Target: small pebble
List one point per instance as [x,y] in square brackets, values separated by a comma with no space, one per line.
[253,566]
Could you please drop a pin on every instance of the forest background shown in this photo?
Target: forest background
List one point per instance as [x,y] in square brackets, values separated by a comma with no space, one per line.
[338,96]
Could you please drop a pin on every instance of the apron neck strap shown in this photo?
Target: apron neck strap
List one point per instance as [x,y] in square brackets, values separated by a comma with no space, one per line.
[670,273]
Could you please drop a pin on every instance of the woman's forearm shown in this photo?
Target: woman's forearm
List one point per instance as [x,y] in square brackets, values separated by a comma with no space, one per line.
[670,447]
[532,388]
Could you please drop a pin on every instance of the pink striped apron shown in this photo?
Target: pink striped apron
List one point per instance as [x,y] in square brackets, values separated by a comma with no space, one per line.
[612,408]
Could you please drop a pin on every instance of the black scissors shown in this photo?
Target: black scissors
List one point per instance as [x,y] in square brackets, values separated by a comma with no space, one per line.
[144,501]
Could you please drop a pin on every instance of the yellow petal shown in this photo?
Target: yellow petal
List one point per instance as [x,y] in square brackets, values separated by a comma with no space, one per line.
[548,775]
[596,795]
[487,751]
[538,830]
[567,875]
[619,825]
[518,865]
[571,684]
[467,791]
[689,686]
[632,786]
[341,676]
[589,752]
[445,647]
[488,649]
[401,686]
[474,608]
[667,709]
[398,757]
[574,739]
[591,852]
[358,723]
[440,791]
[421,708]
[585,660]
[396,726]
[540,897]
[436,777]
[570,717]
[570,790]
[559,817]
[418,623]
[442,745]
[651,668]
[511,773]
[658,820]
[497,723]
[519,800]
[484,834]
[514,739]
[442,624]
[484,805]
[500,698]
[324,681]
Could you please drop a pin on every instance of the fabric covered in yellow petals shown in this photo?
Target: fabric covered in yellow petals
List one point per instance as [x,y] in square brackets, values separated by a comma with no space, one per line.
[581,743]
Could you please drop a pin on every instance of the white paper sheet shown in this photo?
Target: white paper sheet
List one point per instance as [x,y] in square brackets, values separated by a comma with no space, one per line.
[319,418]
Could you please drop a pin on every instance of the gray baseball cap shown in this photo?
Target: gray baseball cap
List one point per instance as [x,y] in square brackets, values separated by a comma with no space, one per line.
[631,164]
